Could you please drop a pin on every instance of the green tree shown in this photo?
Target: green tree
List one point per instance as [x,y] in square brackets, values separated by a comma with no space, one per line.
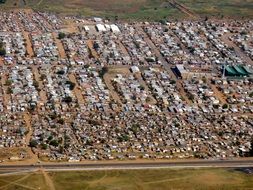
[172,82]
[35,84]
[33,143]
[2,52]
[9,90]
[61,121]
[103,71]
[67,99]
[225,106]
[54,143]
[61,35]
[60,72]
[8,82]
[44,146]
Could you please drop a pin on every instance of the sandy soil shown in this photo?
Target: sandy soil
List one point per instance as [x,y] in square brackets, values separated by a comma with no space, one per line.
[93,52]
[59,46]
[28,44]
[77,90]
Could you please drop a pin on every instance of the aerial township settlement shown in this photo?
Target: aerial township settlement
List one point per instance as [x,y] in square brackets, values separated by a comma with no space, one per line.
[75,89]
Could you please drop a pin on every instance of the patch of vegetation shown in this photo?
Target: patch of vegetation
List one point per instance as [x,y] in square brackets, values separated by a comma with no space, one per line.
[2,49]
[220,9]
[2,1]
[210,179]
[61,35]
[155,179]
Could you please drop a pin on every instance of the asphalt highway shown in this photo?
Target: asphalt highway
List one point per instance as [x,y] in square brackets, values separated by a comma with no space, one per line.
[129,165]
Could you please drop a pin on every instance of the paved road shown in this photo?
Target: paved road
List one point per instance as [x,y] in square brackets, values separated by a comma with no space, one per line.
[129,165]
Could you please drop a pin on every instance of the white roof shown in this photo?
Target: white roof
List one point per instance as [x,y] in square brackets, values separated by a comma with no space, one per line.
[181,68]
[86,28]
[115,28]
[100,27]
[97,19]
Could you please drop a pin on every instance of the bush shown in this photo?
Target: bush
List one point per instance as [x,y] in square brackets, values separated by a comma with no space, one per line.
[2,52]
[54,143]
[33,143]
[225,106]
[44,146]
[61,72]
[61,35]
[67,99]
[61,121]
[142,87]
[103,71]
[9,90]
[172,82]
[8,83]
[35,84]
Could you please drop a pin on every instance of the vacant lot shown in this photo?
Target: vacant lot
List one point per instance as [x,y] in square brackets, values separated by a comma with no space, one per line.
[157,179]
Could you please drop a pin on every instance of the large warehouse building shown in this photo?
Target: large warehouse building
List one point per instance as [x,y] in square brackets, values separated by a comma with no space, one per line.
[237,71]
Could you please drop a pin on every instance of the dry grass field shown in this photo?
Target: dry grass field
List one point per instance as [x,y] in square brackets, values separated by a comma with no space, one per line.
[123,9]
[222,8]
[156,179]
[140,9]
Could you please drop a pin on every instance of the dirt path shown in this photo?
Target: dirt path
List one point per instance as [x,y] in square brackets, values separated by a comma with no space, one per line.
[182,8]
[42,93]
[77,90]
[27,119]
[6,97]
[166,180]
[143,83]
[95,182]
[123,48]
[48,180]
[182,92]
[92,50]
[218,94]
[16,183]
[107,78]
[29,48]
[59,46]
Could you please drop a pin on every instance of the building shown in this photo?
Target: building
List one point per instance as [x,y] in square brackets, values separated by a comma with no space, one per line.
[237,71]
[115,28]
[100,28]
